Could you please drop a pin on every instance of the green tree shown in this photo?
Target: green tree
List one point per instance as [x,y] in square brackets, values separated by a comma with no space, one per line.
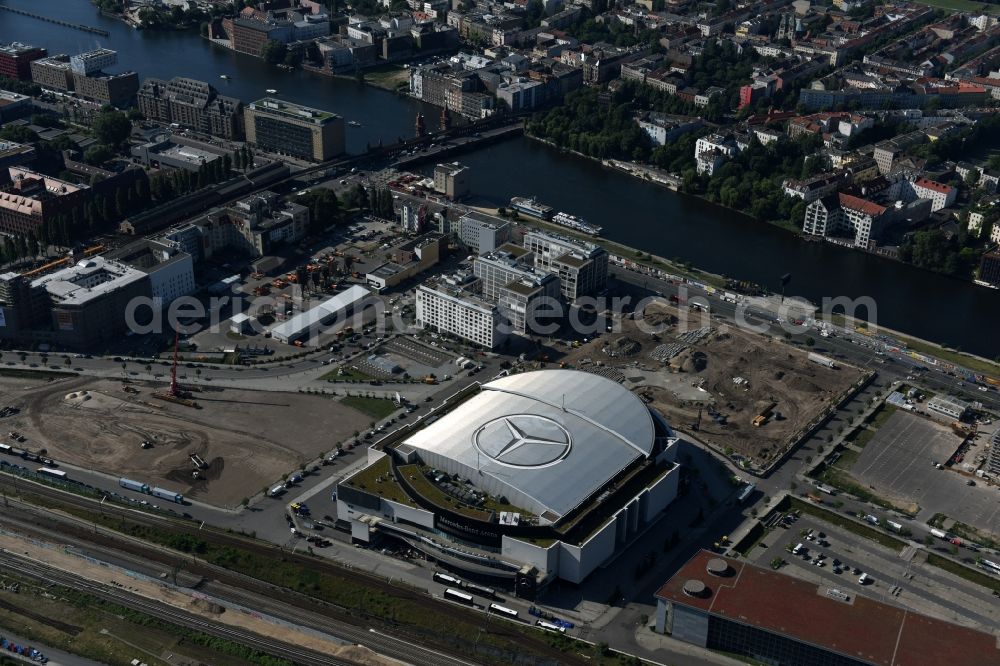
[274,52]
[17,134]
[112,128]
[97,154]
[121,201]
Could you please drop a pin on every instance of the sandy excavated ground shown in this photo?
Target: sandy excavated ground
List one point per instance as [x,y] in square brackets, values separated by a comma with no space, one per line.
[248,438]
[773,372]
[55,557]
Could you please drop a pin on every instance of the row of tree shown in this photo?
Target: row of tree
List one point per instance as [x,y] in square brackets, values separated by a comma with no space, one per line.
[167,185]
[278,53]
[324,208]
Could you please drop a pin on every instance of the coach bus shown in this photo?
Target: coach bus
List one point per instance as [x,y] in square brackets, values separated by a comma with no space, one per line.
[460,597]
[445,579]
[54,473]
[503,610]
[551,627]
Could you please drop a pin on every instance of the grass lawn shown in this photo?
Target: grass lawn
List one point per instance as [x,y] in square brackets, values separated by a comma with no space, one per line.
[389,77]
[950,355]
[367,479]
[937,520]
[863,531]
[415,477]
[860,437]
[34,374]
[970,533]
[377,408]
[880,416]
[968,573]
[753,537]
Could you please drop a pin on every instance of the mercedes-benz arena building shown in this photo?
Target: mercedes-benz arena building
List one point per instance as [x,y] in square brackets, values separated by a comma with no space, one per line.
[538,475]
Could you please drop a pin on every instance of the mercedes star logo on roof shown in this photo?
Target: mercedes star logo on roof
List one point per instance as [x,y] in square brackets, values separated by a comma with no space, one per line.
[523,440]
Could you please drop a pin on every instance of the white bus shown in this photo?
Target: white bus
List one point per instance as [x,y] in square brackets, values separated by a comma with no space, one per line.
[551,627]
[54,473]
[460,597]
[446,579]
[503,610]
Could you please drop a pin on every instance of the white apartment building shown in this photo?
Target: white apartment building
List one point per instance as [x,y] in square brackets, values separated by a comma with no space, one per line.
[863,216]
[712,151]
[482,234]
[502,266]
[941,195]
[845,213]
[822,216]
[92,61]
[582,267]
[170,269]
[449,306]
[520,301]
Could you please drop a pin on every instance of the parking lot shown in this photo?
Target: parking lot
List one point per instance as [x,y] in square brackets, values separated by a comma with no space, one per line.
[417,352]
[899,463]
[889,576]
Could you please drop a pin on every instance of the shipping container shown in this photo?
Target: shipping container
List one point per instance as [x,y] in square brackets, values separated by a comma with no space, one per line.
[137,486]
[167,495]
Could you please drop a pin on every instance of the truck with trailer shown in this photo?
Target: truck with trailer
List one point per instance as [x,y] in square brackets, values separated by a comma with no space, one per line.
[822,360]
[168,495]
[137,486]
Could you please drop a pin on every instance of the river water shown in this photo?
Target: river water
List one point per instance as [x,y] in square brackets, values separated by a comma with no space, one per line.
[632,212]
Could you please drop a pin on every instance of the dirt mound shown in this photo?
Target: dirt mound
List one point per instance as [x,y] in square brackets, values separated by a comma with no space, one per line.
[659,318]
[207,606]
[695,362]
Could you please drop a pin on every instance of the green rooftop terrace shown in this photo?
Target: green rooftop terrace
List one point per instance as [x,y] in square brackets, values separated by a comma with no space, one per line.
[293,111]
[378,479]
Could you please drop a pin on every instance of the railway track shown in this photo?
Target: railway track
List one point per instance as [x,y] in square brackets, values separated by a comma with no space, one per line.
[241,589]
[44,573]
[318,619]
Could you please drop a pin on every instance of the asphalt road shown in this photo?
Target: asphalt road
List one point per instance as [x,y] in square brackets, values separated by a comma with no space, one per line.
[266,517]
[885,568]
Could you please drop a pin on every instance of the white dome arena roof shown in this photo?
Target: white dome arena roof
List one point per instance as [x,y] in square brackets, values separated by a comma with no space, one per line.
[546,440]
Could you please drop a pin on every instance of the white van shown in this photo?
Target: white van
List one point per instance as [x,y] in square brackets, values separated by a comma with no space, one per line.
[277,491]
[797,549]
[863,579]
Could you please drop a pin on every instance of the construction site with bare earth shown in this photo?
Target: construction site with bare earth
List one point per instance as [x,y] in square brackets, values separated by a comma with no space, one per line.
[243,440]
[748,395]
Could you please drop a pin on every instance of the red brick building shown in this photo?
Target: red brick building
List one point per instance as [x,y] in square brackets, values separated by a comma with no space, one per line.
[730,605]
[31,199]
[15,60]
